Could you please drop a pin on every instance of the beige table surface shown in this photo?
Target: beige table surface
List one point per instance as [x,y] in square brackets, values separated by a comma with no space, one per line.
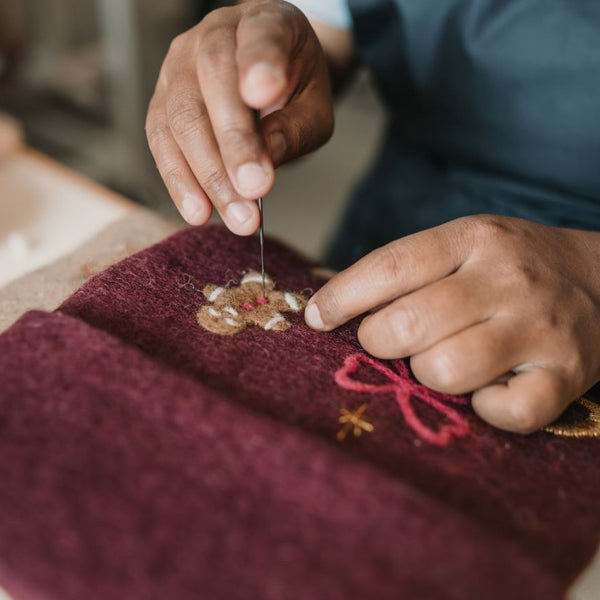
[47,287]
[57,228]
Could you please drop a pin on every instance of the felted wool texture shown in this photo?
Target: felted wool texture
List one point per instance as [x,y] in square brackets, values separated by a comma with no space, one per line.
[231,309]
[125,479]
[536,491]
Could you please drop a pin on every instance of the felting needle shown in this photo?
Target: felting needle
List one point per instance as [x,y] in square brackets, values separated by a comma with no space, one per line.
[261,235]
[261,231]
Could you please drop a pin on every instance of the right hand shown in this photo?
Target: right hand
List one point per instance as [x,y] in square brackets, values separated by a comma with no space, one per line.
[201,126]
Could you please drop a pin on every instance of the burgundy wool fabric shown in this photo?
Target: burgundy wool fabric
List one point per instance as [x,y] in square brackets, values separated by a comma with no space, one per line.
[142,456]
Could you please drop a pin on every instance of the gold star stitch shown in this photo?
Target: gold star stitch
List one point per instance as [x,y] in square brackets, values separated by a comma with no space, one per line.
[353,421]
[588,427]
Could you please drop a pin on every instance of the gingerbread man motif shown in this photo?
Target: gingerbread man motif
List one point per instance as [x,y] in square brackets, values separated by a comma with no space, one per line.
[232,309]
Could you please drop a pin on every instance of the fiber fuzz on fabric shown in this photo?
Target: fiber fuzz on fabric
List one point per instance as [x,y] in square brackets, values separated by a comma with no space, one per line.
[143,456]
[232,309]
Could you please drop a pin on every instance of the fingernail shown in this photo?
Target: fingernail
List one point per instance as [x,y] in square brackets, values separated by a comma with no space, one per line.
[263,74]
[252,179]
[278,146]
[191,208]
[239,212]
[312,316]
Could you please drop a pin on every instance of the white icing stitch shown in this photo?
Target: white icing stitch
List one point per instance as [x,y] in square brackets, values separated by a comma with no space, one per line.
[213,312]
[231,311]
[255,278]
[291,301]
[231,322]
[276,319]
[215,294]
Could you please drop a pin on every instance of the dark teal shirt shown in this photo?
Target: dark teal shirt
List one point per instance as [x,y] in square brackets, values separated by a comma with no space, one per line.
[494,107]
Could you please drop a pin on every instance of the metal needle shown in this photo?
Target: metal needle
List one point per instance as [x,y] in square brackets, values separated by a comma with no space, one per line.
[261,235]
[261,232]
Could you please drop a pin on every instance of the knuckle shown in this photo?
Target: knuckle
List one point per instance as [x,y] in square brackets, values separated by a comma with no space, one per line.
[278,17]
[172,176]
[217,185]
[549,321]
[156,135]
[443,372]
[523,277]
[521,281]
[487,228]
[218,53]
[409,327]
[184,112]
[239,135]
[387,263]
[177,45]
[213,19]
[551,318]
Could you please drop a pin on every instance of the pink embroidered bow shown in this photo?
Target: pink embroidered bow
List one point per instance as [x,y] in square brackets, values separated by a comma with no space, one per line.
[403,387]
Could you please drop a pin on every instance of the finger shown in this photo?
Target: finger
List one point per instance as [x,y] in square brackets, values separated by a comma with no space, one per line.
[304,125]
[192,130]
[234,125]
[470,359]
[417,321]
[191,201]
[398,268]
[283,72]
[269,38]
[526,402]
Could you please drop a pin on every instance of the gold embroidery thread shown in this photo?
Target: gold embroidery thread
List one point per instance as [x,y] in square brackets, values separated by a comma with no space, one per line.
[353,421]
[589,427]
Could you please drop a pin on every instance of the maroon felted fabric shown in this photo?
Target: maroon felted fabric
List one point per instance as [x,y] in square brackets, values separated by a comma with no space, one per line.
[477,512]
[123,479]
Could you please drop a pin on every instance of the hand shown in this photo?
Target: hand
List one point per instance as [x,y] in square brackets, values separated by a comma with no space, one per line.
[503,307]
[201,124]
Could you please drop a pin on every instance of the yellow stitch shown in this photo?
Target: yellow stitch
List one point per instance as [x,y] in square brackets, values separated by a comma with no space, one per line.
[587,428]
[353,421]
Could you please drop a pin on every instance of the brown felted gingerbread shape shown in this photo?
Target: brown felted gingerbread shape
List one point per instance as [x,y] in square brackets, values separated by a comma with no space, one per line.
[232,309]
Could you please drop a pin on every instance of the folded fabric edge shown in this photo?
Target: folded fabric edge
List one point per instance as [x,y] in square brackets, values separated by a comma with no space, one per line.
[501,548]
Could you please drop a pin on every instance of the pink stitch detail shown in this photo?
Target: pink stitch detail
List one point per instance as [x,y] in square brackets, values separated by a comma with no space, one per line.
[262,301]
[247,306]
[403,387]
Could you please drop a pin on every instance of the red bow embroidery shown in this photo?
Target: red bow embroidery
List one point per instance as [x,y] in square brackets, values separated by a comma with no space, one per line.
[405,388]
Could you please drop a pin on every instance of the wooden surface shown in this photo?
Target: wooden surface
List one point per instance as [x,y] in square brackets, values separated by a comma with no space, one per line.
[57,228]
[46,210]
[47,287]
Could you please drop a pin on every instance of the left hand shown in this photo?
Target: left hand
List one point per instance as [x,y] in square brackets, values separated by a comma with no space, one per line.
[501,307]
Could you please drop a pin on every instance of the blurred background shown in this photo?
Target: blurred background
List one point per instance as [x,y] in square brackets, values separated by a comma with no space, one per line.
[77,76]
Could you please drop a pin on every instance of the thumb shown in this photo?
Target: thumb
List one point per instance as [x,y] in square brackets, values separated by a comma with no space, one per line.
[302,126]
